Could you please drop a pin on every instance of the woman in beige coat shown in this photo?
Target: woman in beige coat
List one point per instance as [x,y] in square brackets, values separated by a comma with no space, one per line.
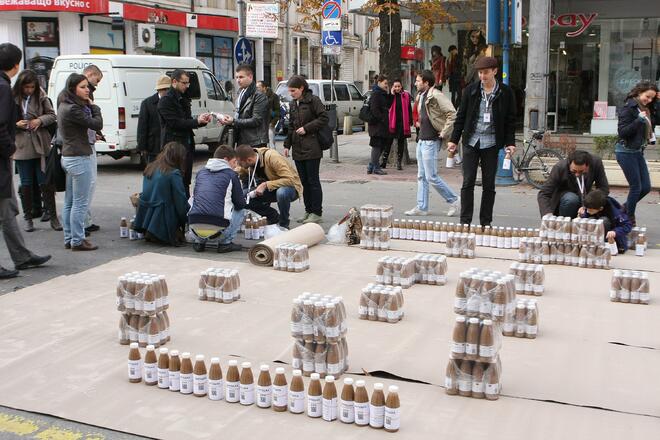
[33,145]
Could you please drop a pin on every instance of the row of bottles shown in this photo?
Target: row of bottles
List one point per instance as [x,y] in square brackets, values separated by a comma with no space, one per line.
[538,251]
[291,257]
[126,229]
[396,271]
[485,294]
[144,330]
[576,230]
[381,303]
[526,320]
[461,245]
[475,340]
[322,358]
[375,238]
[529,278]
[318,319]
[630,287]
[254,227]
[473,379]
[142,294]
[377,216]
[219,285]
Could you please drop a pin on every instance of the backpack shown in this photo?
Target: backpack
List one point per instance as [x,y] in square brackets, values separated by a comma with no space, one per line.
[365,113]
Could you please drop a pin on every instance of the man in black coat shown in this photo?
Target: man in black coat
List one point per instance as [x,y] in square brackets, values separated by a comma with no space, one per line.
[570,180]
[148,129]
[10,59]
[176,121]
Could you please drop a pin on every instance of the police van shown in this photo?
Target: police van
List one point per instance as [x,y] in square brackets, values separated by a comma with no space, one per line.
[127,81]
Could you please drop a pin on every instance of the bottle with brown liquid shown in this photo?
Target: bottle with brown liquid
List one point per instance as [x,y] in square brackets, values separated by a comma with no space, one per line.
[458,338]
[314,397]
[202,286]
[644,289]
[465,378]
[264,387]
[478,388]
[150,367]
[472,340]
[329,402]
[153,331]
[521,320]
[232,382]
[216,388]
[451,378]
[377,407]
[280,392]
[297,393]
[134,364]
[124,329]
[123,228]
[246,387]
[186,375]
[492,382]
[174,371]
[487,342]
[361,404]
[308,358]
[142,330]
[347,402]
[200,378]
[163,369]
[331,323]
[532,322]
[392,409]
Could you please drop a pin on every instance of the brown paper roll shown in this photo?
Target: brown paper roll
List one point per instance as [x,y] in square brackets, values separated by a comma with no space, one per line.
[309,234]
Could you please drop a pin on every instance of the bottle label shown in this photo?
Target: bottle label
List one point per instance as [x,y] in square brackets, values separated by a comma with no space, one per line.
[497,310]
[613,293]
[296,401]
[346,411]
[449,383]
[320,366]
[296,327]
[416,234]
[296,363]
[153,339]
[382,313]
[280,395]
[376,416]
[227,296]
[138,305]
[493,388]
[200,384]
[645,296]
[231,391]
[216,389]
[334,369]
[507,243]
[422,235]
[314,406]
[264,396]
[163,378]
[123,232]
[508,327]
[639,250]
[361,413]
[485,306]
[129,302]
[175,381]
[149,306]
[186,383]
[531,329]
[436,236]
[624,294]
[135,369]
[443,236]
[308,327]
[308,365]
[392,418]
[247,393]
[460,303]
[486,351]
[472,349]
[465,385]
[332,332]
[201,292]
[330,409]
[395,232]
[392,315]
[458,347]
[478,387]
[363,310]
[150,373]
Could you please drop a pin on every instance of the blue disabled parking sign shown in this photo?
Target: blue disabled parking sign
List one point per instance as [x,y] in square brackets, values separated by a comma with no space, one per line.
[243,51]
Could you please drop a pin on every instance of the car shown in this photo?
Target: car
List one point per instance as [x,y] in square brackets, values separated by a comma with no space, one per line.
[348,98]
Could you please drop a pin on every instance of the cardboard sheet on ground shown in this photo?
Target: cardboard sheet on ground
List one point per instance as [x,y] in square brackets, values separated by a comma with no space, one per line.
[58,340]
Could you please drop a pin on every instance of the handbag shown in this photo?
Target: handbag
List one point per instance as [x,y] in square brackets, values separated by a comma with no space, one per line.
[55,175]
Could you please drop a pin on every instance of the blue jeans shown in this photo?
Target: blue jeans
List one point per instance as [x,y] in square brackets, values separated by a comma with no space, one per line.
[569,204]
[235,223]
[283,196]
[92,188]
[76,198]
[637,174]
[28,170]
[427,173]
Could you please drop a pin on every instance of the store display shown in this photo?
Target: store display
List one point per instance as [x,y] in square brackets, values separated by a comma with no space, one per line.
[537,251]
[381,303]
[143,300]
[291,257]
[630,287]
[461,245]
[219,285]
[529,278]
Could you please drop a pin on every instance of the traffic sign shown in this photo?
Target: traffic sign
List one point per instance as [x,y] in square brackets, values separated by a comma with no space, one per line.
[331,38]
[331,24]
[243,51]
[331,9]
[331,50]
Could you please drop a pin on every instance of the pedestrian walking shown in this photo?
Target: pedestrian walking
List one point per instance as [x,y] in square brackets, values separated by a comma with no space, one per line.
[453,74]
[163,207]
[379,130]
[251,119]
[32,147]
[23,258]
[273,110]
[486,122]
[436,119]
[438,65]
[78,120]
[94,77]
[636,131]
[176,121]
[148,129]
[400,120]
[307,116]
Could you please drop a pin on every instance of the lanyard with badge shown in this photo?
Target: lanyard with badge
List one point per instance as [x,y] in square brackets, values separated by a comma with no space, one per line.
[252,180]
[580,184]
[489,99]
[26,104]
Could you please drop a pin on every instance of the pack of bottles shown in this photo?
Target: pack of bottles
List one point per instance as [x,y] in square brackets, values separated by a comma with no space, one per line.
[476,339]
[430,269]
[126,229]
[254,226]
[377,216]
[291,257]
[485,294]
[381,303]
[396,271]
[537,251]
[461,245]
[525,322]
[318,325]
[219,285]
[630,287]
[375,238]
[143,300]
[469,378]
[567,230]
[637,240]
[529,278]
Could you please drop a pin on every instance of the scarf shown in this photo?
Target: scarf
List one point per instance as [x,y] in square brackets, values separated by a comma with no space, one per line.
[648,129]
[405,117]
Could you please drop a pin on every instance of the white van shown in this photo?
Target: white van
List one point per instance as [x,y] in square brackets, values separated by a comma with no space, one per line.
[127,81]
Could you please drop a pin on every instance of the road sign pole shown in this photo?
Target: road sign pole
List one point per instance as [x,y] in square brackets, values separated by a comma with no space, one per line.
[240,5]
[334,152]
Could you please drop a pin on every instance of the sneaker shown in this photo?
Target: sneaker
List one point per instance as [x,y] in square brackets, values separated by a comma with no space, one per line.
[454,208]
[416,211]
[313,218]
[303,218]
[34,261]
[229,247]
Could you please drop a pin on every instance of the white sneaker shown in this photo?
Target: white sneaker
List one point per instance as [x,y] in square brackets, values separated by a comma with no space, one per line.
[416,211]
[454,207]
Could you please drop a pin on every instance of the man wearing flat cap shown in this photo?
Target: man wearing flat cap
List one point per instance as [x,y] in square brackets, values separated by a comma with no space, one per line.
[486,123]
[148,131]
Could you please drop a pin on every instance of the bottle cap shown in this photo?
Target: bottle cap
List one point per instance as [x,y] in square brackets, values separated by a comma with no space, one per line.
[246,365]
[233,363]
[264,367]
[185,355]
[297,373]
[199,357]
[378,386]
[348,381]
[163,350]
[150,348]
[279,370]
[215,360]
[329,379]
[488,322]
[315,376]
[393,389]
[134,345]
[460,319]
[123,218]
[359,383]
[174,353]
[474,321]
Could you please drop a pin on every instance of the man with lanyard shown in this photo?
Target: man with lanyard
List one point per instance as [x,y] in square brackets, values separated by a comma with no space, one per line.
[569,182]
[486,121]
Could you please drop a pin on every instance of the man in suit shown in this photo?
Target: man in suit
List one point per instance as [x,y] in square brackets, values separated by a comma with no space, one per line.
[148,130]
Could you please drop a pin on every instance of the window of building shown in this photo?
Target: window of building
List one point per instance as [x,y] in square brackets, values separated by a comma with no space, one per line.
[105,40]
[167,43]
[217,54]
[42,45]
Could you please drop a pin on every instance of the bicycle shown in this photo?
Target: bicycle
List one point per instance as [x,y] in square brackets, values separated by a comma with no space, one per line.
[535,161]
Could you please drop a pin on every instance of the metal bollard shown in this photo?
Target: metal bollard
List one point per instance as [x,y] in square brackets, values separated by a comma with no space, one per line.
[348,125]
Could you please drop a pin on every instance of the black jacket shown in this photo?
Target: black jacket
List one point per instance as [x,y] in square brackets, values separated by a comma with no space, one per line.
[632,127]
[379,104]
[253,118]
[8,118]
[309,113]
[148,129]
[503,110]
[73,123]
[562,181]
[176,121]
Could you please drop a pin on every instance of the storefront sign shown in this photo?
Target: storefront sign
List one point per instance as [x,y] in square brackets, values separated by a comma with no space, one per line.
[262,20]
[145,14]
[408,52]
[580,21]
[84,6]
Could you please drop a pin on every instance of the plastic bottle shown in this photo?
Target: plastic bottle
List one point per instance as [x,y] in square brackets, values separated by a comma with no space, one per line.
[123,228]
[314,397]
[377,407]
[361,404]
[246,384]
[280,391]
[232,382]
[492,382]
[487,342]
[264,387]
[458,338]
[200,378]
[216,389]
[472,340]
[186,375]
[347,402]
[163,369]
[150,367]
[329,401]
[465,378]
[174,371]
[134,364]
[478,381]
[392,409]
[297,393]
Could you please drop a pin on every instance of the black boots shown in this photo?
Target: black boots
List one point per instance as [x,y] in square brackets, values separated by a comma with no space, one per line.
[51,208]
[26,203]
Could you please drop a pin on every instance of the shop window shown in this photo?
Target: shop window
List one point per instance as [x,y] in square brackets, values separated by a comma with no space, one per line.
[217,54]
[41,43]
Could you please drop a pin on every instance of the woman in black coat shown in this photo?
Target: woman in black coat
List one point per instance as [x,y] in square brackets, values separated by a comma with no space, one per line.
[379,131]
[307,116]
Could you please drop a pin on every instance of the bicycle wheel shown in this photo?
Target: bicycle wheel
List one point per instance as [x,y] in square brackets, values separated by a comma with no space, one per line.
[538,166]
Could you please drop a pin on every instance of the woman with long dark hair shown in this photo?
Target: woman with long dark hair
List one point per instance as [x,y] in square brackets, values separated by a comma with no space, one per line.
[307,116]
[636,131]
[32,147]
[475,49]
[78,120]
[163,207]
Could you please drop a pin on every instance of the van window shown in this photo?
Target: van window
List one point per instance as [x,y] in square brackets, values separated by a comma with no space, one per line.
[326,92]
[194,90]
[219,91]
[139,84]
[355,93]
[211,92]
[342,92]
[283,91]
